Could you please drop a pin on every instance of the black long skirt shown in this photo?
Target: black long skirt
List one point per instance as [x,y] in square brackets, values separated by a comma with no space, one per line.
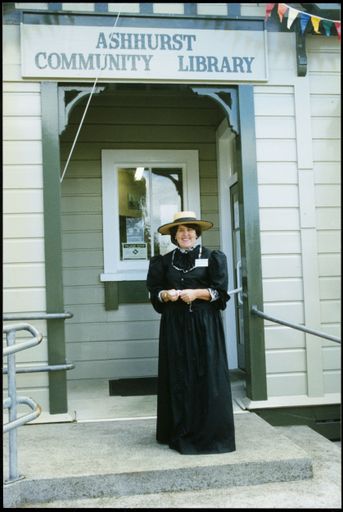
[194,405]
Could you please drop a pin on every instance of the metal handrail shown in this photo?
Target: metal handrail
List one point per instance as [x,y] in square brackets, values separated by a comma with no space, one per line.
[13,399]
[37,316]
[36,408]
[47,368]
[261,314]
[11,348]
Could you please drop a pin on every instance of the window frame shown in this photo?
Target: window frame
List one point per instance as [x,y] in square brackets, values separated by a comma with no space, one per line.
[111,161]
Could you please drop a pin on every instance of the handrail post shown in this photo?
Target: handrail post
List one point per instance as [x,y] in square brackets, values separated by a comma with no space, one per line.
[12,393]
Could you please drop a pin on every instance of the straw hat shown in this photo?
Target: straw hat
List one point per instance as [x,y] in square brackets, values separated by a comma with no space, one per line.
[184,218]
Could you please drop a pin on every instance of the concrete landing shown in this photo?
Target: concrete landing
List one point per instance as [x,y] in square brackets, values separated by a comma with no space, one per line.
[121,458]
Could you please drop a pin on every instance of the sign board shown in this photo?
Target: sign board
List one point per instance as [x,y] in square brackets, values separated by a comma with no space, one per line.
[135,251]
[143,54]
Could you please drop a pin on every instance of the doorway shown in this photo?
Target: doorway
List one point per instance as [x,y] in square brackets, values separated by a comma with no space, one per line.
[116,342]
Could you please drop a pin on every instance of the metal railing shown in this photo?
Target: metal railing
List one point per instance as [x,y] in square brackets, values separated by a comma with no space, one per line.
[13,399]
[261,314]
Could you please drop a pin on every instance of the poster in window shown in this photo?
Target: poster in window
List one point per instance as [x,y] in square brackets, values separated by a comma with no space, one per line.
[134,229]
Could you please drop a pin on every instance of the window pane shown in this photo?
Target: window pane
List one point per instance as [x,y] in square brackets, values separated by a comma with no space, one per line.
[148,198]
[133,214]
[167,199]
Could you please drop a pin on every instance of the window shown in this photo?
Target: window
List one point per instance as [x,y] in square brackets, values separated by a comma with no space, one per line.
[142,189]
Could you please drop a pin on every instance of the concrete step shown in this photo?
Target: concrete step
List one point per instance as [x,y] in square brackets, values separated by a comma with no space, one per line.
[121,458]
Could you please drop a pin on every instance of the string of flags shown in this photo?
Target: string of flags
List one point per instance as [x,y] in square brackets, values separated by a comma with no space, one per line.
[292,14]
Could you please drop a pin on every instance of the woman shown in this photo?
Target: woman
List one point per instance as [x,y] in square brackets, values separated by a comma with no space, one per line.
[189,287]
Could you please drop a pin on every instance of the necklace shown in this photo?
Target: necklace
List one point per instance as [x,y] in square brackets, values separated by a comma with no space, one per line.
[181,269]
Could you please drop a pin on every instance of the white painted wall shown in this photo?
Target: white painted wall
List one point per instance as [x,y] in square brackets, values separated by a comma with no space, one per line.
[298,161]
[23,222]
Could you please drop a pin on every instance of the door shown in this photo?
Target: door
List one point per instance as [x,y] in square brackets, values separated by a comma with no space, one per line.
[237,275]
[230,243]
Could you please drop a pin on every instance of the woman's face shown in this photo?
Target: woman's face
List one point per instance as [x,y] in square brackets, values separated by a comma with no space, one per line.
[185,237]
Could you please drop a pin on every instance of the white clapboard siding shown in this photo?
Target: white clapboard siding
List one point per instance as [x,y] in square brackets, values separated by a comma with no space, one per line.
[325,105]
[332,381]
[324,83]
[123,342]
[277,173]
[330,287]
[287,384]
[282,361]
[23,177]
[280,238]
[24,300]
[285,128]
[331,355]
[279,219]
[22,153]
[283,196]
[278,337]
[280,242]
[29,128]
[22,201]
[327,172]
[23,221]
[282,290]
[329,264]
[328,241]
[283,212]
[28,225]
[288,311]
[23,250]
[22,104]
[26,274]
[328,218]
[325,127]
[327,195]
[281,266]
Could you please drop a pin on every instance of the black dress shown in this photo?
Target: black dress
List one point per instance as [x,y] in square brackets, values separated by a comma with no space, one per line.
[194,405]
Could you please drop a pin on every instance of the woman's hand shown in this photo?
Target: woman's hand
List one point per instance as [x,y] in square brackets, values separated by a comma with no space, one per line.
[189,295]
[172,295]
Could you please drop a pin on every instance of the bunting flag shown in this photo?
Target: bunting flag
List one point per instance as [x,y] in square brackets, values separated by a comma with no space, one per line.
[318,23]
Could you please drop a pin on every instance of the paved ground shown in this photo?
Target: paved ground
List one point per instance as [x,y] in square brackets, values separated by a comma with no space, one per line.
[322,491]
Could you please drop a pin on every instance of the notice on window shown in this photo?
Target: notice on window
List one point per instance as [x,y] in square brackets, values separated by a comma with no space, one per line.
[134,229]
[135,251]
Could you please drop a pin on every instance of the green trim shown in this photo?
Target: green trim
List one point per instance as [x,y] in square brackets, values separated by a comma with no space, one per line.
[53,245]
[125,292]
[250,246]
[133,292]
[324,419]
[111,295]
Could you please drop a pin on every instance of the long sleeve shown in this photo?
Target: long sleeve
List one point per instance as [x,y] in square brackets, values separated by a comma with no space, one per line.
[156,282]
[219,277]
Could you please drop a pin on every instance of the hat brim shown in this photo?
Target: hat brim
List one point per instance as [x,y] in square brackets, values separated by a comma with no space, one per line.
[203,224]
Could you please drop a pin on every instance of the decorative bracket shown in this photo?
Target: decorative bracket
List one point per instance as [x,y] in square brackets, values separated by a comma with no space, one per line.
[301,54]
[227,99]
[66,107]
